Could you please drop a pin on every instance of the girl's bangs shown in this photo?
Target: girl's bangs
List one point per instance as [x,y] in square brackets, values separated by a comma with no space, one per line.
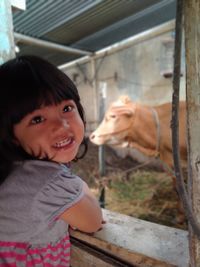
[39,97]
[30,83]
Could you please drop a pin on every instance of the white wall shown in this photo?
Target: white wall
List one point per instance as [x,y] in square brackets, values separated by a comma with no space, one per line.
[136,70]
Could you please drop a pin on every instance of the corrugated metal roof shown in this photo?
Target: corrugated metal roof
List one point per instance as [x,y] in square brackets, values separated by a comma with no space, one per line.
[87,24]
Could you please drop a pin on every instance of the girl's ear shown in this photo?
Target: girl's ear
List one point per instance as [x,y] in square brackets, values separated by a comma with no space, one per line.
[16,142]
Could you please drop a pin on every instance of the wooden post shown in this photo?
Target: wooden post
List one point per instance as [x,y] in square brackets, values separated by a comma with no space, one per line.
[192,47]
[7,47]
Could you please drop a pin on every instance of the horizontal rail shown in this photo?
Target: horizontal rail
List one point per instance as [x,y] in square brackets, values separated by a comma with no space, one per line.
[132,242]
[146,35]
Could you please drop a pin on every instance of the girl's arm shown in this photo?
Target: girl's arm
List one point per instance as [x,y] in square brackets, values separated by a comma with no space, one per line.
[85,215]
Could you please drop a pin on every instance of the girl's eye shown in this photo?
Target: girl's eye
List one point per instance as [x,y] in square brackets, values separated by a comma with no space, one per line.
[37,119]
[68,108]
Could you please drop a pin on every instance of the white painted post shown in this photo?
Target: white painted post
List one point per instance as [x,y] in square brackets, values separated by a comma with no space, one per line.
[7,46]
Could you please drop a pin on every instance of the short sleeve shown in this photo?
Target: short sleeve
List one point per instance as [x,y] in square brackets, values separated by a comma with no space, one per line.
[56,196]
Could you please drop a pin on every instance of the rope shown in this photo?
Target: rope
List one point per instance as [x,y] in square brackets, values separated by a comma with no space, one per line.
[156,118]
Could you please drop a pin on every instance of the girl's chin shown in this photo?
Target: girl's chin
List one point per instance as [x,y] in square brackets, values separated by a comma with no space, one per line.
[64,161]
[64,157]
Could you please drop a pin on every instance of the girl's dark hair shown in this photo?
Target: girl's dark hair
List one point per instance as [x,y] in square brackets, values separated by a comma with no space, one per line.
[26,83]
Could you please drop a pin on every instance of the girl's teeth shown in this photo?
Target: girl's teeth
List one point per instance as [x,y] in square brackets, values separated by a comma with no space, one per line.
[63,143]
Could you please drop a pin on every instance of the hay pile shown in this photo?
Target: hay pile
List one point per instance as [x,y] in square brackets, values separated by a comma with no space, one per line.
[145,193]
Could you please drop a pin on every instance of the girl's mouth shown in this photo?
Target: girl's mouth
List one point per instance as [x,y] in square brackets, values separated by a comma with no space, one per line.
[63,143]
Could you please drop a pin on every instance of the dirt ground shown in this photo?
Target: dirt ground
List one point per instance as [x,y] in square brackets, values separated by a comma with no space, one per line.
[145,193]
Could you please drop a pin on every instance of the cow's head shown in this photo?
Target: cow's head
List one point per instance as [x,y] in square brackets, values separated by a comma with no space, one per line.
[116,124]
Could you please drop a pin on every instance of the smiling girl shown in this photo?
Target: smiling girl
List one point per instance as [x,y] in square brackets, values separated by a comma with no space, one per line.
[42,128]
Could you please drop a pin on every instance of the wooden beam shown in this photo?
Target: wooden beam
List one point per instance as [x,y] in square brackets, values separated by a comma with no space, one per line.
[192,47]
[85,255]
[130,242]
[18,4]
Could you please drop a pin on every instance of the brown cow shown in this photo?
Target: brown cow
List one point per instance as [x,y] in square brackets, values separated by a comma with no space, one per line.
[145,128]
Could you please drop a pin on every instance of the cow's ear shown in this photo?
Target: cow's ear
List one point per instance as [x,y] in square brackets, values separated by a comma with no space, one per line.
[124,99]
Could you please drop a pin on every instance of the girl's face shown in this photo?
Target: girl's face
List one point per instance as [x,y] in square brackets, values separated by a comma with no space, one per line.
[54,131]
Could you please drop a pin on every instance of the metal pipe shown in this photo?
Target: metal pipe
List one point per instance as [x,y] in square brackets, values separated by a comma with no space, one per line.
[50,45]
[94,83]
[146,35]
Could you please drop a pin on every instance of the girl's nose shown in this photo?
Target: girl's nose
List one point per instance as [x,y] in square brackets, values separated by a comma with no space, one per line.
[65,123]
[60,123]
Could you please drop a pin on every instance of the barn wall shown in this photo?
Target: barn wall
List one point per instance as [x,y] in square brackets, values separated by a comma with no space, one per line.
[136,71]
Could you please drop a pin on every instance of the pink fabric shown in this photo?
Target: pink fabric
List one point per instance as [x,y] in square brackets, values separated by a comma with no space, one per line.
[14,254]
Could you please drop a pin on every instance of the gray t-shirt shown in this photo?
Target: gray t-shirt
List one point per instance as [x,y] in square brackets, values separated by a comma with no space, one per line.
[33,197]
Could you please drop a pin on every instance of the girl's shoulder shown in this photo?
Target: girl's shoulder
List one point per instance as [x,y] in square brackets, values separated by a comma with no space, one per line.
[43,179]
[37,172]
[35,166]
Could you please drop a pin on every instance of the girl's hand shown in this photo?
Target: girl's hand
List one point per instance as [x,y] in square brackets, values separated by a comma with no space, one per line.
[103,222]
[85,215]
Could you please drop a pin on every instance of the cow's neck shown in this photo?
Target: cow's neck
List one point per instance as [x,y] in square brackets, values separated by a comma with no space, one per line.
[144,133]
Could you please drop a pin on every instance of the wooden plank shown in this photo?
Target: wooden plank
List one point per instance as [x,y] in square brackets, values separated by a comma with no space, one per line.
[192,41]
[87,256]
[85,259]
[138,242]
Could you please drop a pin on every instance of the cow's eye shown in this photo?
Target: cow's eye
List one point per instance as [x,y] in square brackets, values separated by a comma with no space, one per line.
[113,116]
